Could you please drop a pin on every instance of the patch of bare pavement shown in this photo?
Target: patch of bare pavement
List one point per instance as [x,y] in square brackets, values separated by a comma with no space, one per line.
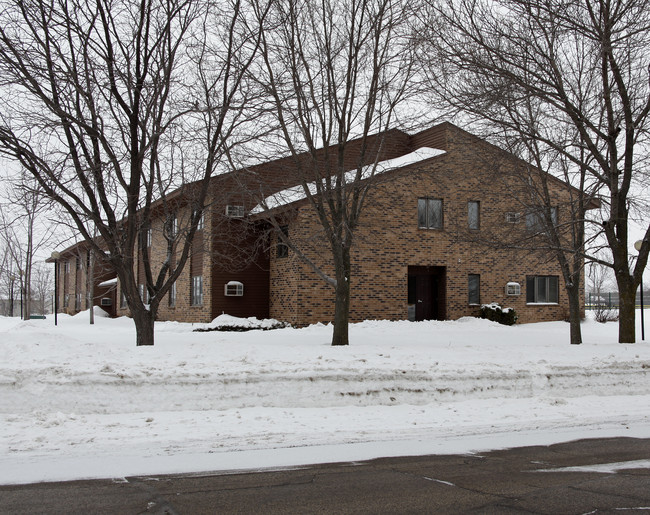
[585,476]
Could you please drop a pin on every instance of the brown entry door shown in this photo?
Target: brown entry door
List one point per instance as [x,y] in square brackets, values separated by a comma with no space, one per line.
[427,285]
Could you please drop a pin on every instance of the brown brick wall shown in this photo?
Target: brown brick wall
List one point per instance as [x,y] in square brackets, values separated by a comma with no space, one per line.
[388,241]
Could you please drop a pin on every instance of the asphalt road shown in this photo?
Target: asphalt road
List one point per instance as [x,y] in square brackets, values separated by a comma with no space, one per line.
[509,481]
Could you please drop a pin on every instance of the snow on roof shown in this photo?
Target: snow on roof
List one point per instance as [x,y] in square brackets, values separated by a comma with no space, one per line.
[110,282]
[295,193]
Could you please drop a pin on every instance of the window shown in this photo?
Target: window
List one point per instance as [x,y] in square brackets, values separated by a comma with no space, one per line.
[282,249]
[147,237]
[235,211]
[200,224]
[122,300]
[78,263]
[144,293]
[172,295]
[535,220]
[172,226]
[66,267]
[513,288]
[196,295]
[77,302]
[66,300]
[513,218]
[429,213]
[107,301]
[542,289]
[473,215]
[474,288]
[233,289]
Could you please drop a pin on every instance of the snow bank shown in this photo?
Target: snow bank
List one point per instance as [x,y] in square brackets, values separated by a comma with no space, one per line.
[86,397]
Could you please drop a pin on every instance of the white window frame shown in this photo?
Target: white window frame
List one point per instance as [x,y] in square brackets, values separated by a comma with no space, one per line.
[106,301]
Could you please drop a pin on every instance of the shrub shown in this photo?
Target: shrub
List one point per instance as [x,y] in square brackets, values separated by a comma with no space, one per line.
[494,312]
[603,313]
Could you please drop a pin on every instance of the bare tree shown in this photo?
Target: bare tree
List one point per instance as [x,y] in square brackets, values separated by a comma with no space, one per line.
[100,102]
[42,288]
[22,215]
[568,80]
[336,72]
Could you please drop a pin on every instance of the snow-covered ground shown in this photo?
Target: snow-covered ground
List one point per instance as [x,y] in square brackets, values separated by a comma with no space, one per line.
[81,401]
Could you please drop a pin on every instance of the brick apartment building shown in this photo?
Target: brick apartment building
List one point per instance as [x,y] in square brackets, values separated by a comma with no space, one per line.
[432,243]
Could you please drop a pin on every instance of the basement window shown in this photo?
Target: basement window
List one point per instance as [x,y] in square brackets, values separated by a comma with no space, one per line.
[233,289]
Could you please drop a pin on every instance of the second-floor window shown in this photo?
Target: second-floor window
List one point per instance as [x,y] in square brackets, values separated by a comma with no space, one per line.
[430,213]
[535,219]
[201,223]
[473,215]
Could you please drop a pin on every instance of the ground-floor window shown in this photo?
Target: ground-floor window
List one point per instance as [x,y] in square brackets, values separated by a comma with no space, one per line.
[196,294]
[542,289]
[172,295]
[77,302]
[122,300]
[474,288]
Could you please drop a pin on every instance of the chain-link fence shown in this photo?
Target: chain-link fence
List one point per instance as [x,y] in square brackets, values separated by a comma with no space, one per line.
[609,300]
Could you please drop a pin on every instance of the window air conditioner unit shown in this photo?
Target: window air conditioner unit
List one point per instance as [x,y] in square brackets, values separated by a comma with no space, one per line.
[513,218]
[235,211]
[513,288]
[233,289]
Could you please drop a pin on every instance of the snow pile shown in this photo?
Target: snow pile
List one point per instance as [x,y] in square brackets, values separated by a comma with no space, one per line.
[82,401]
[229,323]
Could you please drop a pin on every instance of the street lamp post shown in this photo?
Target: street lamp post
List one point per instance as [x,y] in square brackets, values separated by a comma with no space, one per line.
[12,278]
[637,246]
[55,256]
[20,272]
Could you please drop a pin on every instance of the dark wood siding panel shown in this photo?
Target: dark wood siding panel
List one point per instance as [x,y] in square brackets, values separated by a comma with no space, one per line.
[254,302]
[435,137]
[196,259]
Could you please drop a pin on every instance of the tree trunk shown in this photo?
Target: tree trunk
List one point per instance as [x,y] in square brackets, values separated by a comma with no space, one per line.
[574,315]
[626,311]
[144,326]
[342,303]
